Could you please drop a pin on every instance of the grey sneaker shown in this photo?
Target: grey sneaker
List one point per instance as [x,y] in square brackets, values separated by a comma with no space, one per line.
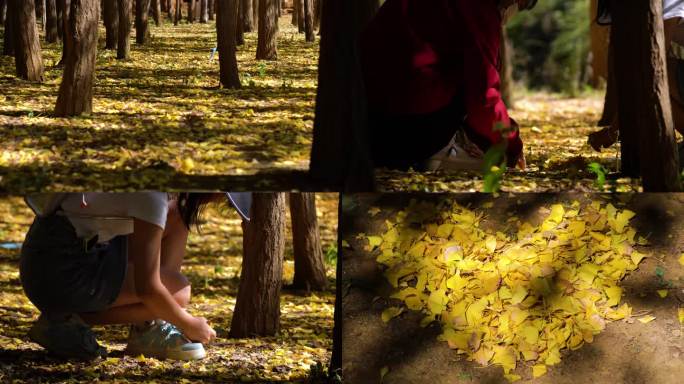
[162,340]
[68,337]
[454,157]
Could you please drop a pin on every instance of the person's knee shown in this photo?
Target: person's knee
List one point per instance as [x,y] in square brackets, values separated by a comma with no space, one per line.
[178,285]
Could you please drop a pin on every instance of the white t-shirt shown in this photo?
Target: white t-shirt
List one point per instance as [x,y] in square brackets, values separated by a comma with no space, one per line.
[108,215]
[673,9]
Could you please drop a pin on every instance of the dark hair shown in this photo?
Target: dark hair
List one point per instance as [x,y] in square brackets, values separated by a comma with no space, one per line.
[529,4]
[191,205]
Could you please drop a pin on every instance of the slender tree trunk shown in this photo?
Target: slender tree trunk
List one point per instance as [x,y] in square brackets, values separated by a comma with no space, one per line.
[10,30]
[267,47]
[179,12]
[506,69]
[64,8]
[308,21]
[317,14]
[191,11]
[247,15]
[111,22]
[255,15]
[3,11]
[124,46]
[40,13]
[295,12]
[171,10]
[142,25]
[51,26]
[240,35]
[340,155]
[27,54]
[300,15]
[76,91]
[308,253]
[212,9]
[204,11]
[645,117]
[156,11]
[226,30]
[257,310]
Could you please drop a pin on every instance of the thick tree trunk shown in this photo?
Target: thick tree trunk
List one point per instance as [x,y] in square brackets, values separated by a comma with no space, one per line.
[123,51]
[28,58]
[142,24]
[340,156]
[645,117]
[267,47]
[156,11]
[610,102]
[257,310]
[8,44]
[255,15]
[306,239]
[191,11]
[111,22]
[51,26]
[247,15]
[309,21]
[204,11]
[226,30]
[506,69]
[76,91]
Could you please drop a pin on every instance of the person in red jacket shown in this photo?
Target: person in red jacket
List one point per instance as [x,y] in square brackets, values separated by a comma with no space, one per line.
[431,75]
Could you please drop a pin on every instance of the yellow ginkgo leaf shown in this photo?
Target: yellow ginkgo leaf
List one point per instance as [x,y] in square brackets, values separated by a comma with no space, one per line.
[538,370]
[662,293]
[390,313]
[646,319]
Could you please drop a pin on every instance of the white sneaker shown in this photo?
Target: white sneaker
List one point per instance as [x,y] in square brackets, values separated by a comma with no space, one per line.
[454,158]
[162,340]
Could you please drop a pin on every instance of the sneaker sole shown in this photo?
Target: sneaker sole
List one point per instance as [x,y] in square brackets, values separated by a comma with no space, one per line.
[196,354]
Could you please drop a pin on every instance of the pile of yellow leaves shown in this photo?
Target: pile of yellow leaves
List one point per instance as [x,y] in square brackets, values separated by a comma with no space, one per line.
[506,298]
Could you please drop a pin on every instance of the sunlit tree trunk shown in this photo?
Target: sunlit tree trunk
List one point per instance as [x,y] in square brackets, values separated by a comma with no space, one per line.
[306,239]
[191,11]
[142,25]
[51,26]
[204,11]
[247,15]
[255,14]
[76,91]
[156,11]
[111,22]
[226,30]
[257,310]
[28,58]
[179,12]
[124,46]
[340,156]
[267,47]
[644,112]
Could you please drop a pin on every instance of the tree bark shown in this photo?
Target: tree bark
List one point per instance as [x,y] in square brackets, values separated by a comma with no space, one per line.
[191,11]
[506,70]
[309,21]
[599,39]
[204,11]
[306,239]
[40,13]
[179,12]
[156,11]
[9,40]
[111,22]
[247,15]
[28,58]
[300,15]
[255,15]
[124,46]
[63,12]
[51,26]
[3,11]
[226,30]
[340,155]
[240,34]
[610,102]
[76,91]
[142,24]
[645,116]
[267,47]
[257,310]
[211,6]
[295,12]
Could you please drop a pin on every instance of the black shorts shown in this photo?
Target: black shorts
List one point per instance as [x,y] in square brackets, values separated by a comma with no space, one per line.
[63,274]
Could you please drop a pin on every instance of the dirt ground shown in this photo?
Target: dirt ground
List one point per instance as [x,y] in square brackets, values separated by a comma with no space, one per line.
[627,351]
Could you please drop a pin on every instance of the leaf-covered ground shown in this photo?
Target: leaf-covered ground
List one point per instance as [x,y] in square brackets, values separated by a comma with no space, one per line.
[160,120]
[554,130]
[213,266]
[415,317]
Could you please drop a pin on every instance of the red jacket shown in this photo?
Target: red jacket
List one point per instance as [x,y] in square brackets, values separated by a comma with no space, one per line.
[418,55]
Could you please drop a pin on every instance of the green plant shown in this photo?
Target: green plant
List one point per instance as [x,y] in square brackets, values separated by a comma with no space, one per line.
[600,172]
[331,255]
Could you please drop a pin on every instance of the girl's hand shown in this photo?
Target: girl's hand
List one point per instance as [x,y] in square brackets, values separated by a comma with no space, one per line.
[522,163]
[199,331]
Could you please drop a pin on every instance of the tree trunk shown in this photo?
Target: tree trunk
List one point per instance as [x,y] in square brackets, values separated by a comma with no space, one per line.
[142,25]
[226,30]
[255,15]
[300,16]
[211,6]
[610,102]
[317,14]
[240,35]
[506,69]
[340,156]
[247,15]
[10,30]
[645,116]
[3,11]
[295,12]
[257,310]
[308,21]
[28,59]
[51,26]
[179,12]
[171,10]
[191,11]
[76,91]
[308,253]
[156,11]
[267,47]
[600,37]
[124,46]
[63,12]
[204,11]
[40,14]
[111,22]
